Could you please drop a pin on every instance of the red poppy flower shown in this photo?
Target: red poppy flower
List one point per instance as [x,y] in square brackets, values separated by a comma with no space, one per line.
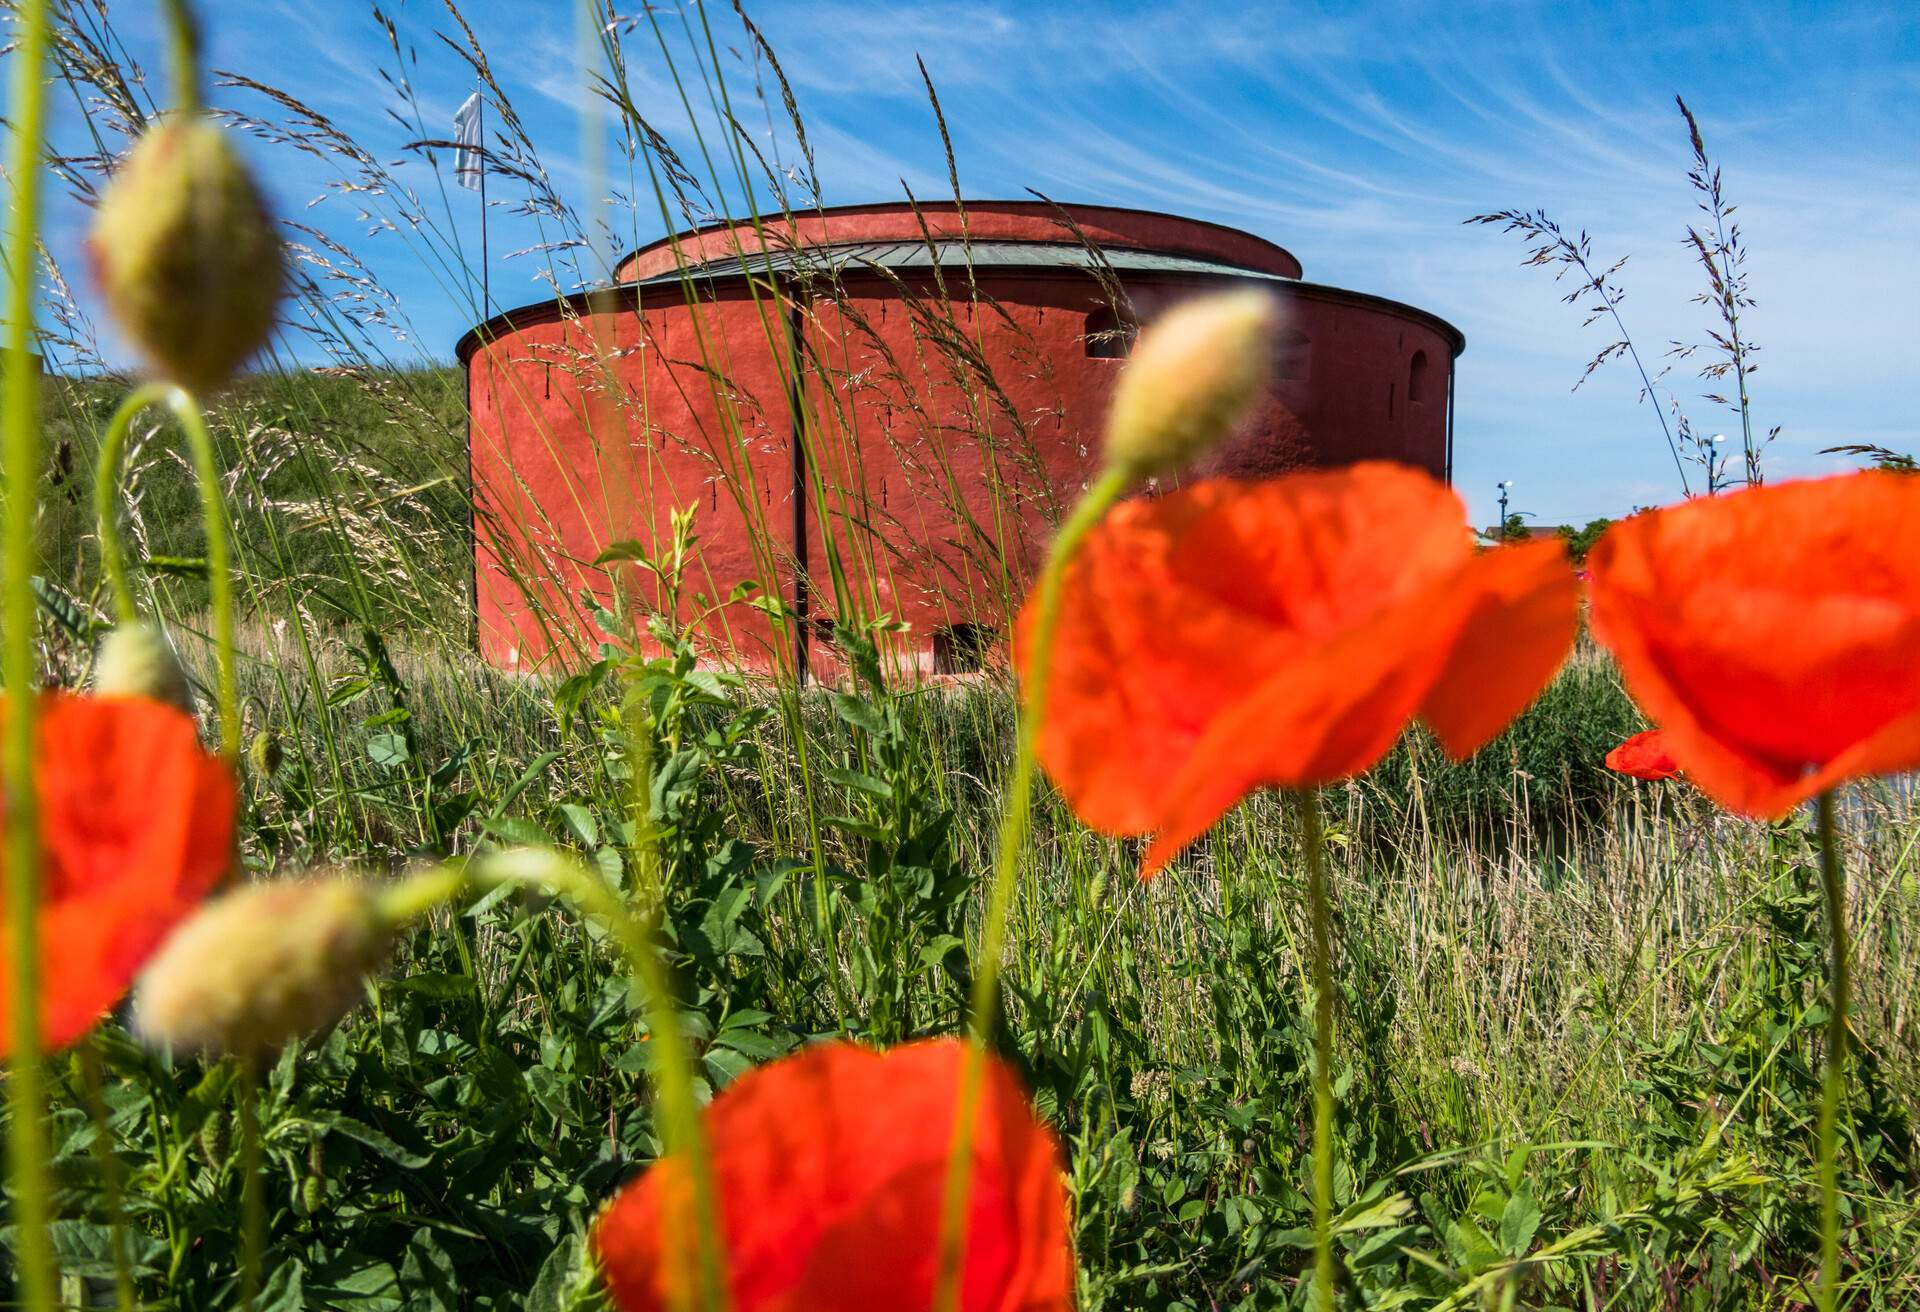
[1234,635]
[1644,756]
[136,823]
[831,1169]
[1772,634]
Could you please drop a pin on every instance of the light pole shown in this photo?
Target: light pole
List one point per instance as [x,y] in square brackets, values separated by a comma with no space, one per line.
[1714,462]
[1504,486]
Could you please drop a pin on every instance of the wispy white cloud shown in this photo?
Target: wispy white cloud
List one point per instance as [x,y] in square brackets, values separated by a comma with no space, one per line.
[1357,136]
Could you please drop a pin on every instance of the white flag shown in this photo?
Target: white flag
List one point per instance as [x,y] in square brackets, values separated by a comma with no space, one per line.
[467,160]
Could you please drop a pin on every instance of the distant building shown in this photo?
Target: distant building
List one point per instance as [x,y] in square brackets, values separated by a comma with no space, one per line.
[879,408]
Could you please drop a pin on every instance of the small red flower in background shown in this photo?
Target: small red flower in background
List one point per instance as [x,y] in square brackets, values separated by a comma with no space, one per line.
[1772,634]
[1237,635]
[136,823]
[831,1169]
[1644,756]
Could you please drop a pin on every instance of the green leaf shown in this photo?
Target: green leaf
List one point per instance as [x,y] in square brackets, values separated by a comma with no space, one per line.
[362,1133]
[438,985]
[1518,1223]
[389,749]
[580,823]
[624,549]
[865,783]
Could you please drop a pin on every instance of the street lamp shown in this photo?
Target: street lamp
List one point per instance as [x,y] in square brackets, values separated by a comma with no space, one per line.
[1504,485]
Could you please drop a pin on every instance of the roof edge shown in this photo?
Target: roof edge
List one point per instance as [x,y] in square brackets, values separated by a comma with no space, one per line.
[553,309]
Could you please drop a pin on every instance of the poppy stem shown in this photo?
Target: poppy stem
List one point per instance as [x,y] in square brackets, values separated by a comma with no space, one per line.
[106,490]
[638,940]
[183,56]
[107,1158]
[1306,805]
[253,1203]
[36,1274]
[213,513]
[1014,823]
[1834,1078]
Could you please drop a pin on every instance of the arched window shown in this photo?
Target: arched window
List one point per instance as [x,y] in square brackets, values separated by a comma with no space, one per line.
[1109,335]
[961,648]
[1417,378]
[1293,356]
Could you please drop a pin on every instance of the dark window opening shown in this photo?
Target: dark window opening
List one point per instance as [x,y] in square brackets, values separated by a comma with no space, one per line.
[1108,336]
[961,648]
[1417,377]
[1292,356]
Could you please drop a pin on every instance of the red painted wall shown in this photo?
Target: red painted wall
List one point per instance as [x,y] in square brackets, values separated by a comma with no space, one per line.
[941,436]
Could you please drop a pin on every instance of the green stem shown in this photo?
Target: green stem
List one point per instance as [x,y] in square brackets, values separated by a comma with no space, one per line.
[107,1158]
[213,513]
[183,56]
[1320,903]
[672,1065]
[1014,822]
[638,940]
[1834,1079]
[253,1202]
[106,490]
[19,413]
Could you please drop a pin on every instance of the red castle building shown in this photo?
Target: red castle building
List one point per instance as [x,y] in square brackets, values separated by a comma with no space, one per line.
[876,410]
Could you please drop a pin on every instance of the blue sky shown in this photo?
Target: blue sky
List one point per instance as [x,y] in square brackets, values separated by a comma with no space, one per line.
[1358,136]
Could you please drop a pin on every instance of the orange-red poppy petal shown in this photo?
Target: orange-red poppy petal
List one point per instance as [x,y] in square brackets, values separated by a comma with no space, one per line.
[1772,634]
[1644,756]
[831,1170]
[1332,712]
[1179,608]
[136,828]
[1517,635]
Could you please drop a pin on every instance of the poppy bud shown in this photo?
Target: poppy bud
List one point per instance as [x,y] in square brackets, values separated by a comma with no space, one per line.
[264,754]
[216,1137]
[136,660]
[1195,373]
[185,254]
[263,965]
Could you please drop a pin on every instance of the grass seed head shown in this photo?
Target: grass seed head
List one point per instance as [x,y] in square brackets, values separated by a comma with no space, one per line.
[186,255]
[263,965]
[1196,372]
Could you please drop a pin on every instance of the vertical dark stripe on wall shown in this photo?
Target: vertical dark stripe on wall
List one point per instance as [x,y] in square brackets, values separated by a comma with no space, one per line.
[796,409]
[1453,367]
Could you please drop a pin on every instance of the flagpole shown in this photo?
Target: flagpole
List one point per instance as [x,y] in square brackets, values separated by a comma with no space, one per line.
[486,263]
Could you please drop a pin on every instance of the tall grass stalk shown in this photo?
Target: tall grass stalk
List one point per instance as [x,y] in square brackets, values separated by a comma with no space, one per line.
[27,1142]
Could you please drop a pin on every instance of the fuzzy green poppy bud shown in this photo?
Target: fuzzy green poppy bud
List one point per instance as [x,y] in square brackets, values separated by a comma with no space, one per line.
[136,660]
[1195,373]
[216,1137]
[262,965]
[186,255]
[264,754]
